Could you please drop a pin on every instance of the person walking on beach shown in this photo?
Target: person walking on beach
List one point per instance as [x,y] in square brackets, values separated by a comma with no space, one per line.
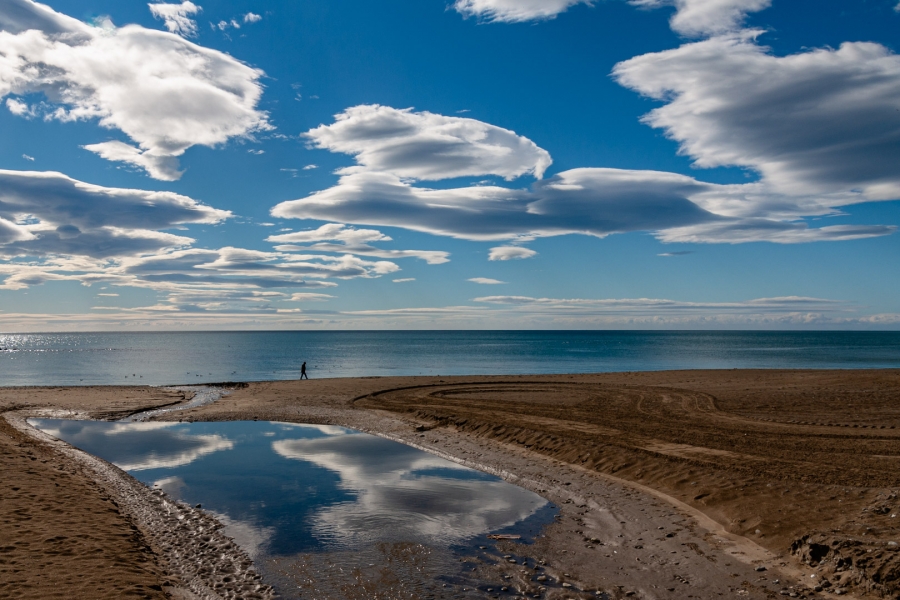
[303,371]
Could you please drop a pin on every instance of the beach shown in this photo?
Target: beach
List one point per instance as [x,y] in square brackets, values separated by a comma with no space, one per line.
[670,484]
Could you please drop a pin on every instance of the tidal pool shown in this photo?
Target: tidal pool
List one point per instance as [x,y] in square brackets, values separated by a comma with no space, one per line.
[323,511]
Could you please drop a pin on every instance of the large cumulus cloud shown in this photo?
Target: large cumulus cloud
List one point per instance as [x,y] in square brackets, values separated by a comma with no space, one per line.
[163,92]
[823,121]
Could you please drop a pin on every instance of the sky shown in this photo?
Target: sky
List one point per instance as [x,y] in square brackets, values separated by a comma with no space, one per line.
[449,164]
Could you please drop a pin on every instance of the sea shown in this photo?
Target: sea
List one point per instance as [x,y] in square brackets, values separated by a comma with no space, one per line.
[179,358]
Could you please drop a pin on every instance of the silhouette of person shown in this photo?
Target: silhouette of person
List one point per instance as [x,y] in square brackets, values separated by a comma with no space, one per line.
[303,371]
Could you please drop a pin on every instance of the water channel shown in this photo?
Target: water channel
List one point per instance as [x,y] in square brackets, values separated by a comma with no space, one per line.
[324,511]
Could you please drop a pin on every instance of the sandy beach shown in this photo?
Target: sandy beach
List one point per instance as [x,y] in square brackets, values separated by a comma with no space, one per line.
[674,484]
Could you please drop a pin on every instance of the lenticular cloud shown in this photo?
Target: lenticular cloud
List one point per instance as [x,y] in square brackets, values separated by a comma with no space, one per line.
[45,213]
[818,122]
[428,146]
[163,92]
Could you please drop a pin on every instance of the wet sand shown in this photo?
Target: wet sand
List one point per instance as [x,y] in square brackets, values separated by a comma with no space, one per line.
[671,485]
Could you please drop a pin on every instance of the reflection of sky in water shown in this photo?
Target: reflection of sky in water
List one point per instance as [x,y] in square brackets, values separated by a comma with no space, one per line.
[402,493]
[136,446]
[282,489]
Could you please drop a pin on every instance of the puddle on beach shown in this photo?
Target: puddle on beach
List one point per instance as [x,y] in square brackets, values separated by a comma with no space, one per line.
[325,512]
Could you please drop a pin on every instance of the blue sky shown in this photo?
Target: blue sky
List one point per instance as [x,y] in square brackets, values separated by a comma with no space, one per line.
[557,164]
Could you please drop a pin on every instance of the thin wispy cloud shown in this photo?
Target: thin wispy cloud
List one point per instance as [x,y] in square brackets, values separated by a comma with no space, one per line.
[338,238]
[656,306]
[177,17]
[486,281]
[310,297]
[514,11]
[510,253]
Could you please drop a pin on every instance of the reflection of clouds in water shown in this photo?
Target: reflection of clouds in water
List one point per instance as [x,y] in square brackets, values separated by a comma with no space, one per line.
[151,445]
[65,427]
[398,497]
[250,538]
[326,429]
[169,457]
[170,485]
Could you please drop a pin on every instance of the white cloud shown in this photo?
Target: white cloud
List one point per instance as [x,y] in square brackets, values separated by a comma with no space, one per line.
[252,18]
[656,306]
[595,202]
[109,295]
[20,109]
[589,201]
[767,230]
[163,167]
[177,17]
[427,146]
[352,241]
[162,91]
[69,217]
[332,232]
[392,153]
[706,17]
[238,266]
[486,281]
[404,280]
[12,232]
[514,11]
[223,25]
[310,167]
[54,228]
[26,157]
[310,297]
[819,122]
[510,253]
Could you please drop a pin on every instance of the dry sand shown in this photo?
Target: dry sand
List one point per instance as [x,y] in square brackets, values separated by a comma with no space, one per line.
[671,485]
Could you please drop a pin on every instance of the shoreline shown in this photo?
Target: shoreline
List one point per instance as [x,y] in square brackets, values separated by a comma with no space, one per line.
[441,415]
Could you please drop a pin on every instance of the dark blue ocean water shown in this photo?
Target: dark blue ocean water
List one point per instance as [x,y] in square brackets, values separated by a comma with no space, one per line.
[198,357]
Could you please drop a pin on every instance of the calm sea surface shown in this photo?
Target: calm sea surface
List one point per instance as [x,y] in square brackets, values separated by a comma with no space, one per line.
[199,357]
